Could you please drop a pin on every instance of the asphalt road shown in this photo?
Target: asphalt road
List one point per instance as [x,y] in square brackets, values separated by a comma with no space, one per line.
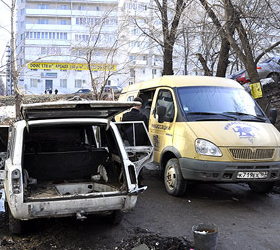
[246,220]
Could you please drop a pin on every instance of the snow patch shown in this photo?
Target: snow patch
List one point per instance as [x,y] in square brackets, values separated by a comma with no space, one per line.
[7,112]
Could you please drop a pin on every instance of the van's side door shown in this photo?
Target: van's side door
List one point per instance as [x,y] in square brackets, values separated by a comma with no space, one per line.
[161,132]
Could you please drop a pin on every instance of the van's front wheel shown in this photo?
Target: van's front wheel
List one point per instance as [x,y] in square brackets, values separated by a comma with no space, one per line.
[261,187]
[173,178]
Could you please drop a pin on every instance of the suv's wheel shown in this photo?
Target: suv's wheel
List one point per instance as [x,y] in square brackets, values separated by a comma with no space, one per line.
[261,187]
[15,226]
[116,217]
[274,76]
[173,178]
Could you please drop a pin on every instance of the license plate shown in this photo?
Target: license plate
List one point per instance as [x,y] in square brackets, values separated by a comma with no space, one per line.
[252,175]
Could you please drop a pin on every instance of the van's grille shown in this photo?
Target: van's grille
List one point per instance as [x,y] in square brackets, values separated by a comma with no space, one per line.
[252,154]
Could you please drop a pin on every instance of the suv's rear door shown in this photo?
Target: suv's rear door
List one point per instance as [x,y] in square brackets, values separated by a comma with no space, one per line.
[74,109]
[4,138]
[137,143]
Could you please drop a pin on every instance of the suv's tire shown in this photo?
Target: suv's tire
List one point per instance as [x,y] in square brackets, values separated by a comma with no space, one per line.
[261,187]
[173,178]
[15,226]
[116,217]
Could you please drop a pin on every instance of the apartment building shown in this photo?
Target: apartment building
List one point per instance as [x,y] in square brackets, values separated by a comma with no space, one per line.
[59,40]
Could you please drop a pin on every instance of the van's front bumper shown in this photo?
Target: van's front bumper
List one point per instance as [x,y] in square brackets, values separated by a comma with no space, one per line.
[227,171]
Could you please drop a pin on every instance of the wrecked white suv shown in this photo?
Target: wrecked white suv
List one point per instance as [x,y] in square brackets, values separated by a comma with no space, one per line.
[69,159]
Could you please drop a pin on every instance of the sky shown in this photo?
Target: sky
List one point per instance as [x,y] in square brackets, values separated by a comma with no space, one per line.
[4,22]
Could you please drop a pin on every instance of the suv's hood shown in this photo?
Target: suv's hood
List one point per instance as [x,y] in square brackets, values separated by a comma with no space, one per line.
[237,133]
[74,109]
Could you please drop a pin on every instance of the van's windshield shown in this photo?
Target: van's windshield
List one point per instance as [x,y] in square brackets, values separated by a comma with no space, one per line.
[218,103]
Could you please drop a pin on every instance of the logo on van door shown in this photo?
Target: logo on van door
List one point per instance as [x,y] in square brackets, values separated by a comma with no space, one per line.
[243,130]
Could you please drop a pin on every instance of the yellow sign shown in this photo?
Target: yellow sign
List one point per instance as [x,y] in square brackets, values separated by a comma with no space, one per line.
[72,66]
[256,90]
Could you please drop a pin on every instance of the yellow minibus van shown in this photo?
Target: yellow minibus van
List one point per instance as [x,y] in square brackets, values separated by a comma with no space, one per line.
[208,129]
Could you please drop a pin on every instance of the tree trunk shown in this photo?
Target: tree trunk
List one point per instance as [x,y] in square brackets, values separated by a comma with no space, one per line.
[15,73]
[186,49]
[207,71]
[168,61]
[223,58]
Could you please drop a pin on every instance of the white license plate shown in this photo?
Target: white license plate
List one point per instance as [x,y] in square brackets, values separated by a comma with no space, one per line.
[252,175]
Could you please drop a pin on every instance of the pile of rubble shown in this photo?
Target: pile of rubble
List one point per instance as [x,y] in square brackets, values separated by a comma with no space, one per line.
[155,242]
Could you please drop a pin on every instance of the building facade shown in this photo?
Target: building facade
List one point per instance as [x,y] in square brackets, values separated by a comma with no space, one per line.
[58,41]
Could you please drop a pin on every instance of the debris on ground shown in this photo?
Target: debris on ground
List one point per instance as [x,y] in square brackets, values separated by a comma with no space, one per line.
[155,242]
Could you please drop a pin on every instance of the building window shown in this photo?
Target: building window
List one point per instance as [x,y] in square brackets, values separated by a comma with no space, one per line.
[154,71]
[132,73]
[22,24]
[81,7]
[43,6]
[63,83]
[63,22]
[33,83]
[22,12]
[43,21]
[97,8]
[132,57]
[78,83]
[63,7]
[43,50]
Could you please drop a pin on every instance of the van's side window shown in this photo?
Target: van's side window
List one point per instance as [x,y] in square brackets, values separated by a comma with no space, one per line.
[130,98]
[165,99]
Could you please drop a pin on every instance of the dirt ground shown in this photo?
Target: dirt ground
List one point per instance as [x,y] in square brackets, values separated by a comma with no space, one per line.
[246,221]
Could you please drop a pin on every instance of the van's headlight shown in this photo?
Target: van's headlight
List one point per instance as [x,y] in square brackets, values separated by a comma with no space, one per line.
[204,147]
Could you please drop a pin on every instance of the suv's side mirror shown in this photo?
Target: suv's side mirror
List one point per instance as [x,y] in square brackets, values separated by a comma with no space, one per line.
[161,111]
[273,115]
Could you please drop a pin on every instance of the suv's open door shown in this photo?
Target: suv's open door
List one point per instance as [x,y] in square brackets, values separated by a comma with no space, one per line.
[137,143]
[4,138]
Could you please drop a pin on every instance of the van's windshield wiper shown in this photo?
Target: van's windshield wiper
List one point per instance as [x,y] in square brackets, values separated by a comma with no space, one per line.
[212,114]
[248,116]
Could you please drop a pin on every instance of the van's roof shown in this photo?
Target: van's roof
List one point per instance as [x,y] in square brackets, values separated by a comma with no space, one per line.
[180,81]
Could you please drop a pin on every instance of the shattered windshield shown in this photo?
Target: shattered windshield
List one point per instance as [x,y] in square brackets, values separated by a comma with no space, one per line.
[218,103]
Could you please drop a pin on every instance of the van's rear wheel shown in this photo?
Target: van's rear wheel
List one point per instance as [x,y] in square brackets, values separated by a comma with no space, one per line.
[15,226]
[261,187]
[173,178]
[116,217]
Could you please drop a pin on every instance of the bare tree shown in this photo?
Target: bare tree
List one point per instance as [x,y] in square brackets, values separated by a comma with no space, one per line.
[2,87]
[97,41]
[232,29]
[14,69]
[169,13]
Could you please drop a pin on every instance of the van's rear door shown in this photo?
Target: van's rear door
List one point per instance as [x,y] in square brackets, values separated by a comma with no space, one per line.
[4,138]
[137,143]
[74,109]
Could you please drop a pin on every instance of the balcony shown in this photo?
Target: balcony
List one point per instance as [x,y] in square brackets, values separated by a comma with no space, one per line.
[66,13]
[138,63]
[48,12]
[48,27]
